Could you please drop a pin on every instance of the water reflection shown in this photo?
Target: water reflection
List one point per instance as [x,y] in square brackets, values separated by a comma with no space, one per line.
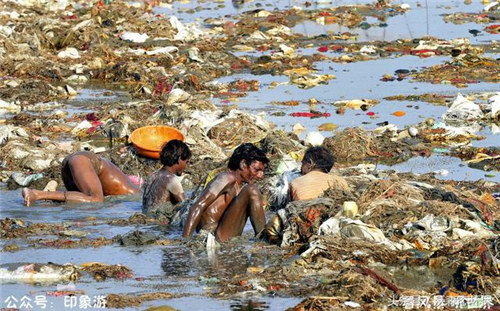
[180,262]
[230,259]
[238,4]
[249,305]
[223,263]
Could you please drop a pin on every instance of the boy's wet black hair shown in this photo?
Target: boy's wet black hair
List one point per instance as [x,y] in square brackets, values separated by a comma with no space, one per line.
[320,158]
[173,151]
[248,152]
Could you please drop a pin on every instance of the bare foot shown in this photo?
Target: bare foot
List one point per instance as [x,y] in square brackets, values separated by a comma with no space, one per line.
[29,196]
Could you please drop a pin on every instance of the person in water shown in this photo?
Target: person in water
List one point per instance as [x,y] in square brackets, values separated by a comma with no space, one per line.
[163,188]
[315,179]
[224,206]
[88,178]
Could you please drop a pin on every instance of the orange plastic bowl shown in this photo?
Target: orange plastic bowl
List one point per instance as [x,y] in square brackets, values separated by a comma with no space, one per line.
[149,140]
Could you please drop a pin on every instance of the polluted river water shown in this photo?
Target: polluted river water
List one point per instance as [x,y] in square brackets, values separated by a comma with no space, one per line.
[190,277]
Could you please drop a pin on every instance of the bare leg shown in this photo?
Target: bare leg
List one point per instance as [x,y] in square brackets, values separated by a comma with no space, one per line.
[84,179]
[114,181]
[248,203]
[32,195]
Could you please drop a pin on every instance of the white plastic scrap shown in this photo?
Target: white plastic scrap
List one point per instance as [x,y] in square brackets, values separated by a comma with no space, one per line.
[478,229]
[243,48]
[352,304]
[358,229]
[434,223]
[462,109]
[193,54]
[405,6]
[177,96]
[288,170]
[495,129]
[258,36]
[280,30]
[185,32]
[442,172]
[12,15]
[46,272]
[262,13]
[77,78]
[368,49]
[314,247]
[314,139]
[81,126]
[287,164]
[166,50]
[258,119]
[331,227]
[458,233]
[494,101]
[82,25]
[8,107]
[6,30]
[133,36]
[287,51]
[495,5]
[205,119]
[69,53]
[9,131]
[25,180]
[43,106]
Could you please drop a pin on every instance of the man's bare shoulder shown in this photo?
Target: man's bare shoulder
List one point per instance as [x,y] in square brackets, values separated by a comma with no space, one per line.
[226,178]
[161,178]
[227,175]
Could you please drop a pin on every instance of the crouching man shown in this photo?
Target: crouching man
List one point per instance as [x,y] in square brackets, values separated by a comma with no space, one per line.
[231,198]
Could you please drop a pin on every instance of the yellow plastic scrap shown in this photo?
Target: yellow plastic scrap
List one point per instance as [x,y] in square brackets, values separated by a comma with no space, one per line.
[327,127]
[210,176]
[90,264]
[481,157]
[312,80]
[298,71]
[296,155]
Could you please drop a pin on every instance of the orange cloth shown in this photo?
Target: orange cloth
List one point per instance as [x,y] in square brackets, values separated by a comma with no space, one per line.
[314,183]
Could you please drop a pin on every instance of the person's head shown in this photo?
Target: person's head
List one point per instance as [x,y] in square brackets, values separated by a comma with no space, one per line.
[317,158]
[173,153]
[250,160]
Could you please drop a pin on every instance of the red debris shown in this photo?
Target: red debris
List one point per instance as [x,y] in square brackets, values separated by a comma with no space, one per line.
[309,114]
[323,49]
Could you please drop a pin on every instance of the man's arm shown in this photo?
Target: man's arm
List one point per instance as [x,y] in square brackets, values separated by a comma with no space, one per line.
[176,191]
[207,197]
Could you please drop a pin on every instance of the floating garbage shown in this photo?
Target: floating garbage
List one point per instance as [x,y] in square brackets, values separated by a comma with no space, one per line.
[101,271]
[494,102]
[398,113]
[40,273]
[387,238]
[314,139]
[6,107]
[69,53]
[25,180]
[462,109]
[133,36]
[310,114]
